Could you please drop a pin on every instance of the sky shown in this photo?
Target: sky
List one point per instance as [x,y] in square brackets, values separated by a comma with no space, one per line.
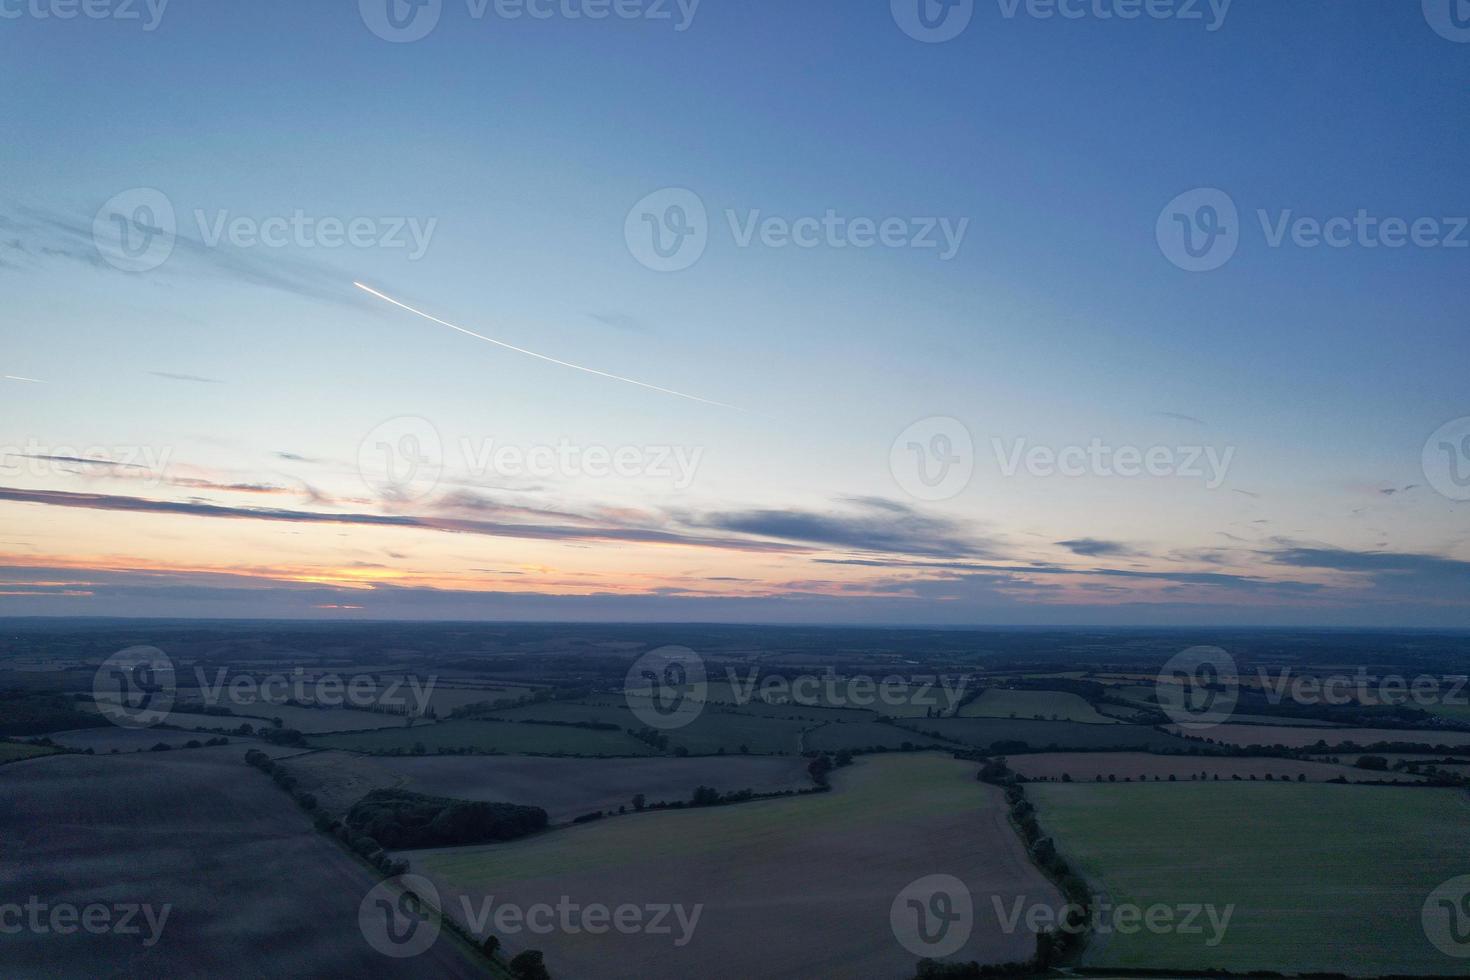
[979,312]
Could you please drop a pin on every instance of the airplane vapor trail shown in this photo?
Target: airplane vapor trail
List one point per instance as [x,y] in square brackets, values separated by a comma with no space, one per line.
[29,381]
[541,357]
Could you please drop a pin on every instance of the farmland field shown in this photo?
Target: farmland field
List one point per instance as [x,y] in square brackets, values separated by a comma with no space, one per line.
[1037,735]
[1299,737]
[488,736]
[1292,858]
[712,730]
[1049,705]
[565,788]
[18,751]
[253,890]
[863,735]
[792,888]
[1087,766]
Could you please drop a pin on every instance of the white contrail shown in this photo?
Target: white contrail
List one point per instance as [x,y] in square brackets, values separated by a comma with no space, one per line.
[541,357]
[29,381]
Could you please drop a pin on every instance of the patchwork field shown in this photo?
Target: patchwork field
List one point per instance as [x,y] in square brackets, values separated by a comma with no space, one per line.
[565,788]
[488,736]
[865,735]
[792,888]
[1048,705]
[1323,877]
[252,889]
[18,751]
[1088,766]
[1039,735]
[1293,736]
[713,730]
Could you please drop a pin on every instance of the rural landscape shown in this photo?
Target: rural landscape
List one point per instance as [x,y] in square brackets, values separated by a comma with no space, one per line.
[600,802]
[734,490]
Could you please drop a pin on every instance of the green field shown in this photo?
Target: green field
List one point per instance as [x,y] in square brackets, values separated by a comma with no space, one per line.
[1048,705]
[1038,735]
[789,888]
[865,735]
[714,729]
[16,751]
[1323,877]
[488,736]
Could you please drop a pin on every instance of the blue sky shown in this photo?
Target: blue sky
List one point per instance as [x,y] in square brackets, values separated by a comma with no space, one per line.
[1059,320]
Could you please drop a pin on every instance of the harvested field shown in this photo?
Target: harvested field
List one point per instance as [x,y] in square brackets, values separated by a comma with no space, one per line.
[489,736]
[1088,766]
[868,735]
[252,889]
[712,730]
[1298,737]
[565,788]
[1041,735]
[1323,877]
[1048,705]
[793,888]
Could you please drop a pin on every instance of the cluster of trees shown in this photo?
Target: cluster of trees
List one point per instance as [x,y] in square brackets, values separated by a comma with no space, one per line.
[399,818]
[364,846]
[596,726]
[823,764]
